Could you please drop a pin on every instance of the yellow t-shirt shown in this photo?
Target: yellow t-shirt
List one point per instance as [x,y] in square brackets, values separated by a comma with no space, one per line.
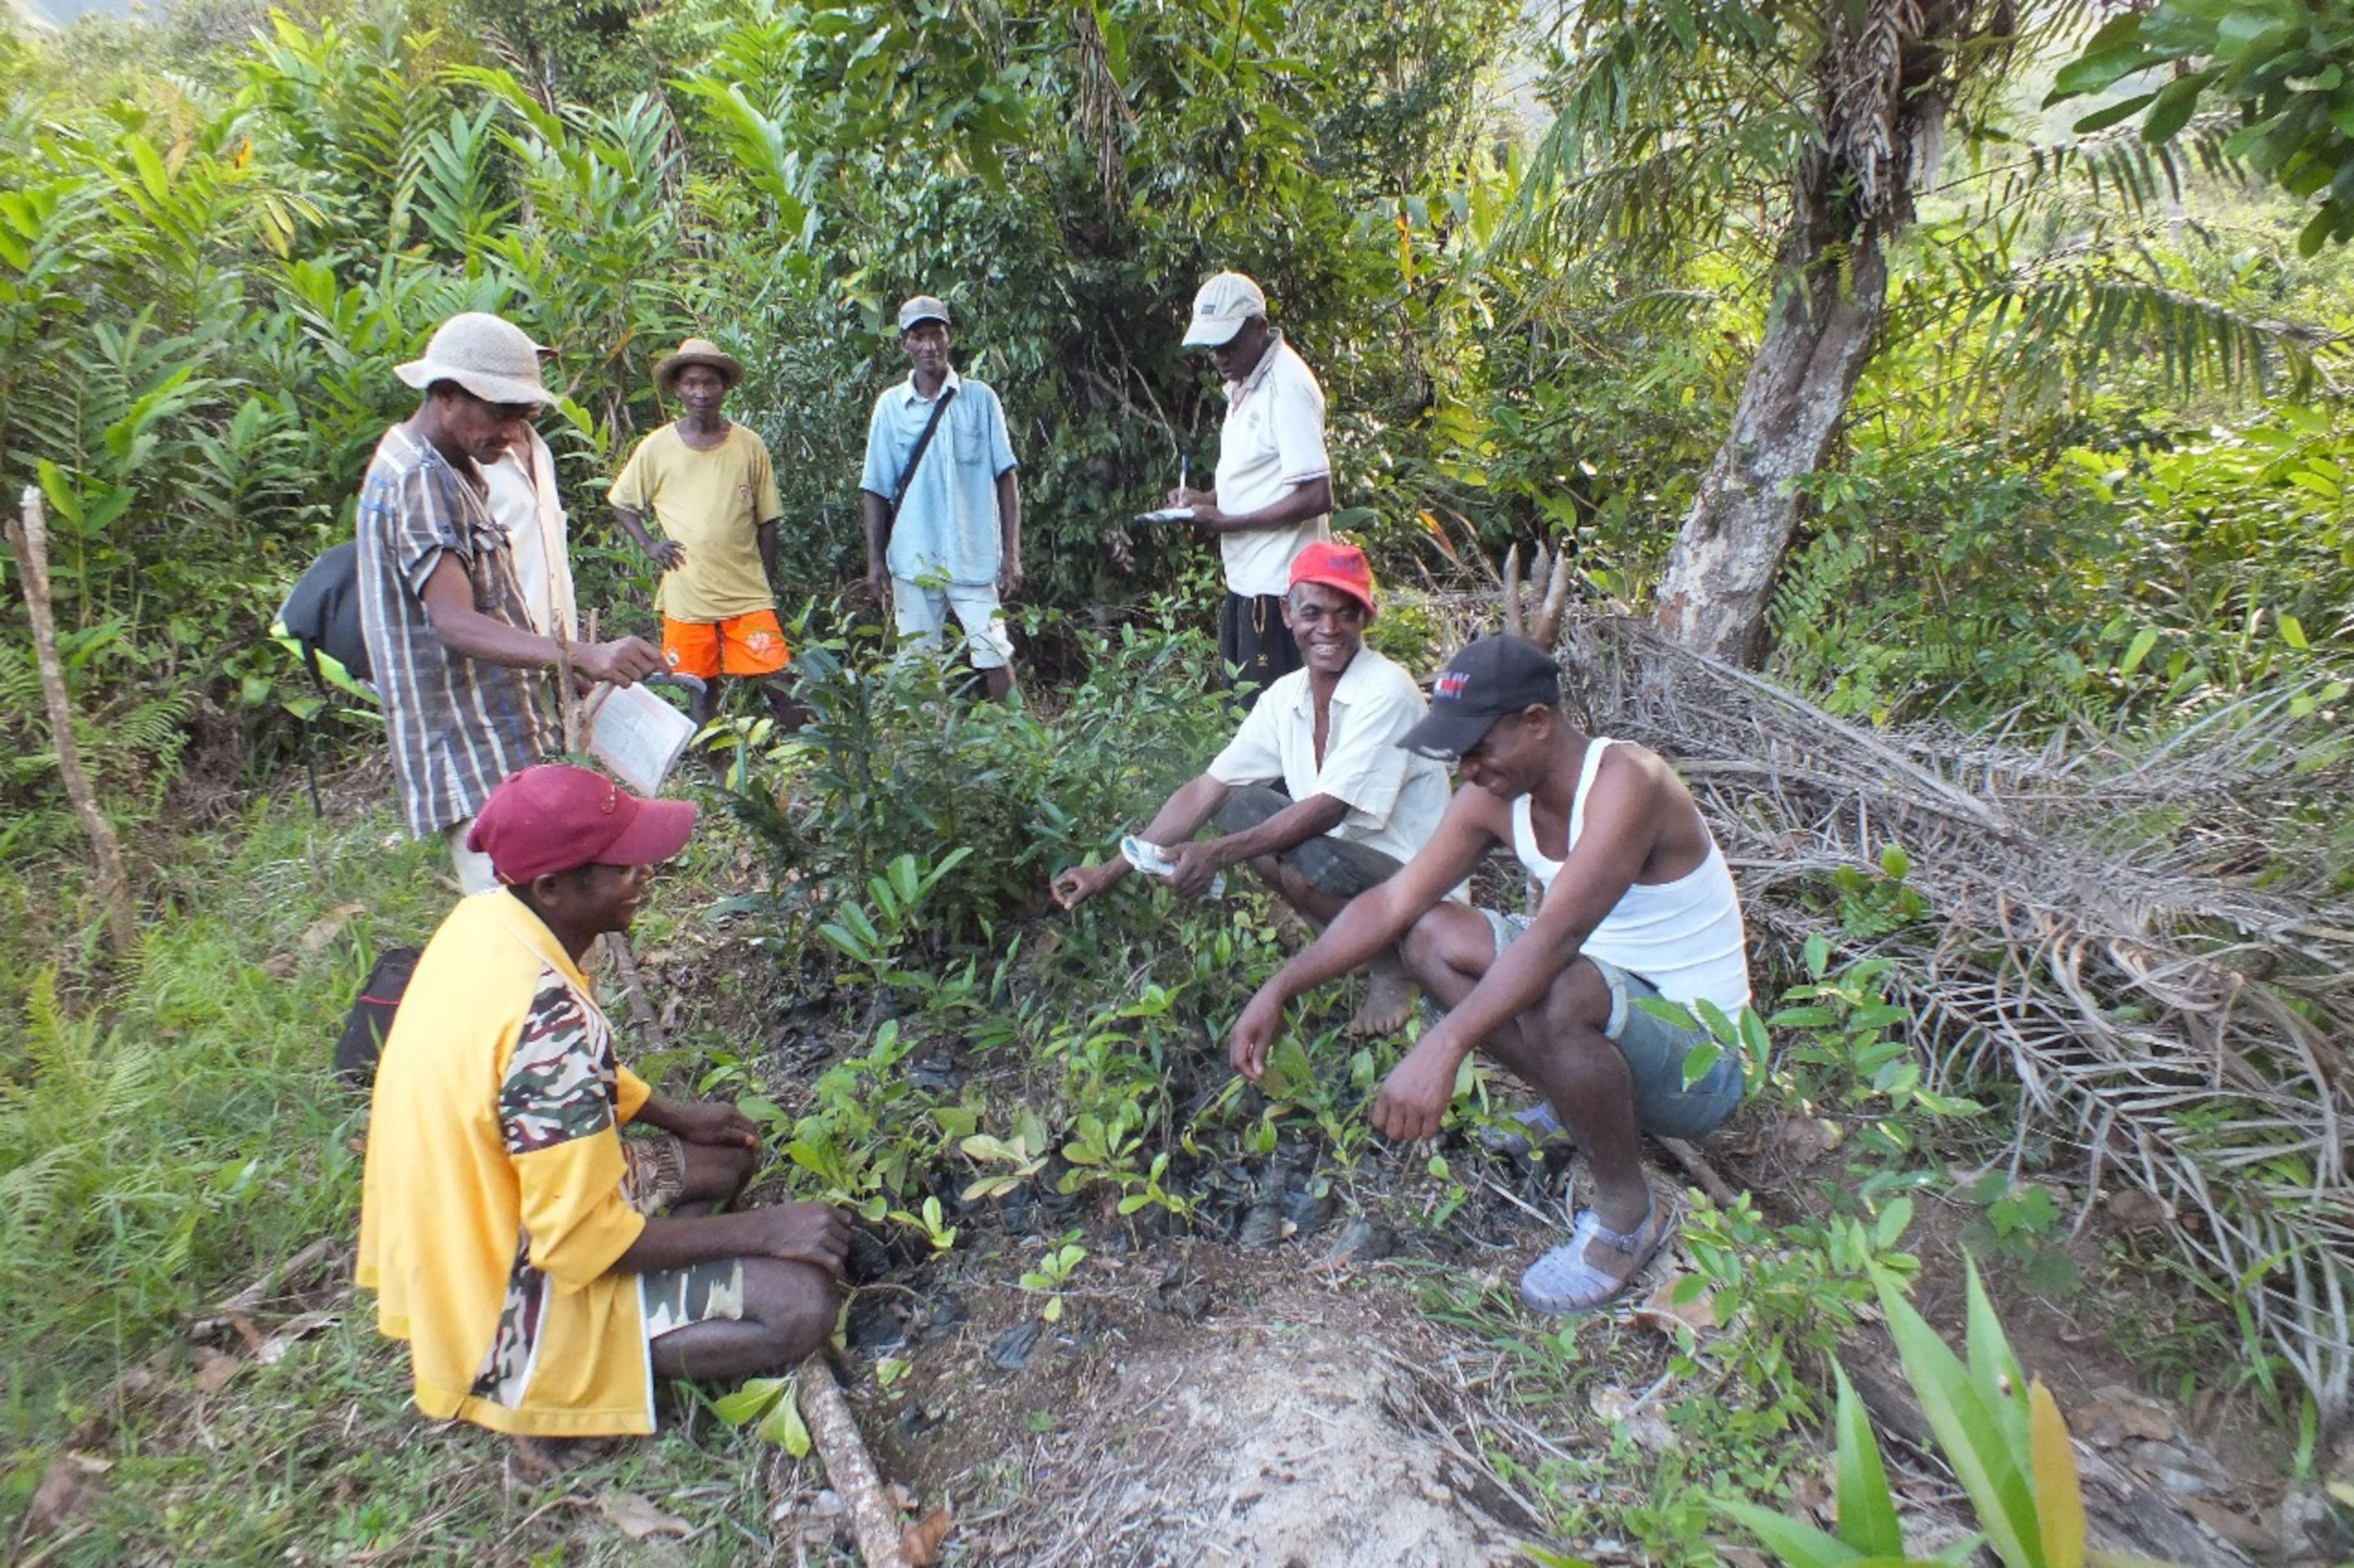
[713,502]
[491,1212]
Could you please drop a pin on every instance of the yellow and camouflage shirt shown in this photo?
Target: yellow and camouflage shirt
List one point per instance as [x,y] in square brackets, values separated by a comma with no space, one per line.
[491,1211]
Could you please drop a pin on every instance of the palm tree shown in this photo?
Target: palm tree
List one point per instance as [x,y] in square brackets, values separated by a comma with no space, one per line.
[1796,135]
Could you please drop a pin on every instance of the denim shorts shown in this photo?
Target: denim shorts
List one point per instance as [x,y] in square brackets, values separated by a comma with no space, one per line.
[1654,1050]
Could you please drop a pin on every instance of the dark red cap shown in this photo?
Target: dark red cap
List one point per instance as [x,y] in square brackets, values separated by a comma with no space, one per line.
[555,817]
[1336,565]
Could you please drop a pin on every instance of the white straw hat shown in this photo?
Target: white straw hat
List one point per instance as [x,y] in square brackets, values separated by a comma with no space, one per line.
[487,354]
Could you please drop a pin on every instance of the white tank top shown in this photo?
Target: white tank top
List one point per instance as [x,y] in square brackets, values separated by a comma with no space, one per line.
[1685,937]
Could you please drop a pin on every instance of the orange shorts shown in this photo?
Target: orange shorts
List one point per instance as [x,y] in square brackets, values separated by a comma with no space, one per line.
[752,644]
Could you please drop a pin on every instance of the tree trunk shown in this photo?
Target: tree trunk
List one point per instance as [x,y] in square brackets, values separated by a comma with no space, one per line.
[1713,594]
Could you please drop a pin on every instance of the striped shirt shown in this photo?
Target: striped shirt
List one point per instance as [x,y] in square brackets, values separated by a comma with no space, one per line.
[458,725]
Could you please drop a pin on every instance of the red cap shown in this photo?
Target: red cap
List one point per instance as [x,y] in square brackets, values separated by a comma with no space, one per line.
[555,817]
[1336,565]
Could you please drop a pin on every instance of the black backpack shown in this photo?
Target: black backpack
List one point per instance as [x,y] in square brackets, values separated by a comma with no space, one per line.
[370,1020]
[323,614]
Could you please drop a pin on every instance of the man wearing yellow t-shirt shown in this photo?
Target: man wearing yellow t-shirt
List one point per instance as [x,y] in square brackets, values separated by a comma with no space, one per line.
[513,1235]
[708,482]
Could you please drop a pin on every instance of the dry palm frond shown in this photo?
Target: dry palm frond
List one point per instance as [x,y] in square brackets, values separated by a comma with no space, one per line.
[2094,936]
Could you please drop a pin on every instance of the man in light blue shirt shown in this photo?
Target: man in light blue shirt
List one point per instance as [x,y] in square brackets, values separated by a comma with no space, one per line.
[944,516]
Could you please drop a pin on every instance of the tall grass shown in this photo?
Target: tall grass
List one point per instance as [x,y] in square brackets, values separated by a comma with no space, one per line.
[160,1145]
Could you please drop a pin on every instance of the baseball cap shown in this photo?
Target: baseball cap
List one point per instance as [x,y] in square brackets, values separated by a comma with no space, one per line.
[1490,679]
[488,356]
[922,308]
[1223,303]
[1336,565]
[555,817]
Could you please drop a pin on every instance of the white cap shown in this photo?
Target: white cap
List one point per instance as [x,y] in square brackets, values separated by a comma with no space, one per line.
[1224,303]
[922,308]
[487,354]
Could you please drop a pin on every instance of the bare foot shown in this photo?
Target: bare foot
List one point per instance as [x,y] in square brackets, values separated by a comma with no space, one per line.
[1389,997]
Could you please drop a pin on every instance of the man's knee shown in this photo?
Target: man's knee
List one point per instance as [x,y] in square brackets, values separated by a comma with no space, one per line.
[1449,941]
[1246,806]
[796,1302]
[1577,1008]
[714,1173]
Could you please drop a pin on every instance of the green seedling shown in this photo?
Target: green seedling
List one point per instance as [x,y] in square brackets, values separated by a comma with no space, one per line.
[1052,1275]
[771,1407]
[941,1236]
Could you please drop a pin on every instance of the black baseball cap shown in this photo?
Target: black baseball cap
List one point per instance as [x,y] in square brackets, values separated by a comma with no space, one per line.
[1490,679]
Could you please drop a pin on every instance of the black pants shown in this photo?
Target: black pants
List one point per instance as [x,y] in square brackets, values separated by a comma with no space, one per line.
[1340,867]
[1254,642]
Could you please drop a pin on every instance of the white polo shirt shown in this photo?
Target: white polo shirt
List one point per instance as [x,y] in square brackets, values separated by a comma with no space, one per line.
[1395,796]
[1273,439]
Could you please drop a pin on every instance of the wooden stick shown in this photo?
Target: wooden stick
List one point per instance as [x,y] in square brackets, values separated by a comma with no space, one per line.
[633,987]
[30,539]
[1547,629]
[874,1518]
[1700,1171]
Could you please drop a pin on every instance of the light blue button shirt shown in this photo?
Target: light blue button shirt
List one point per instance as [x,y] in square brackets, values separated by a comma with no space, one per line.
[946,527]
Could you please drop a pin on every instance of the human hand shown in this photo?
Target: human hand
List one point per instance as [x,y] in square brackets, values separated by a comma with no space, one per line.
[1183,496]
[1253,1033]
[667,554]
[621,663]
[878,586]
[816,1233]
[1415,1096]
[1197,861]
[712,1122]
[1081,883]
[1009,580]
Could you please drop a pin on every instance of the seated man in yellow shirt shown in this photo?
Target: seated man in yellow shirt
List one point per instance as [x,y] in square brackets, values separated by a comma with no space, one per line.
[513,1235]
[712,494]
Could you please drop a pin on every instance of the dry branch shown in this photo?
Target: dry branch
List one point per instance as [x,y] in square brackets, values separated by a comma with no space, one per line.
[29,537]
[833,1431]
[2094,937]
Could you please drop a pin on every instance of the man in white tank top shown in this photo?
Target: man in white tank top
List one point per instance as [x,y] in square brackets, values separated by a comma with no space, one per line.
[1638,903]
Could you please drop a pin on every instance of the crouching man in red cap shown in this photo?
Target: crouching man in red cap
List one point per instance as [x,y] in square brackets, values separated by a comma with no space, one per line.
[1314,792]
[513,1236]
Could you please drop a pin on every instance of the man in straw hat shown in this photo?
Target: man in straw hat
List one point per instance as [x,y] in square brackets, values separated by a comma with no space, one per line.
[1272,497]
[513,1236]
[712,494]
[455,657]
[1638,908]
[942,503]
[1313,792]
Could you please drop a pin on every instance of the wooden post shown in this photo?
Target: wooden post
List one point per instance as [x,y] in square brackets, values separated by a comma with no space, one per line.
[29,537]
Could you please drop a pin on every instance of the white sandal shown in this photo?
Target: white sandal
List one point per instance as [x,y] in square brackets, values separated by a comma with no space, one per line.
[1564,1280]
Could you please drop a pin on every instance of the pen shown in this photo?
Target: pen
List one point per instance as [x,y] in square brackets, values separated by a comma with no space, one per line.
[1180,472]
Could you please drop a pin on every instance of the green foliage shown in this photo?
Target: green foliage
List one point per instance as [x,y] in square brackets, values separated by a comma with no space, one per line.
[898,763]
[2002,1434]
[2284,66]
[170,1142]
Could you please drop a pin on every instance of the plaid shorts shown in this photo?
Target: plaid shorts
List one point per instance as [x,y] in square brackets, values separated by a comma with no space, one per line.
[656,1173]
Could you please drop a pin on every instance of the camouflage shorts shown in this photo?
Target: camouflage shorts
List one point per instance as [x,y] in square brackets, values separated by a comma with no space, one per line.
[656,1172]
[698,1293]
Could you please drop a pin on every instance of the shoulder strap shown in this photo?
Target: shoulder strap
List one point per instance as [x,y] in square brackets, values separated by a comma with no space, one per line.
[1595,747]
[940,407]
